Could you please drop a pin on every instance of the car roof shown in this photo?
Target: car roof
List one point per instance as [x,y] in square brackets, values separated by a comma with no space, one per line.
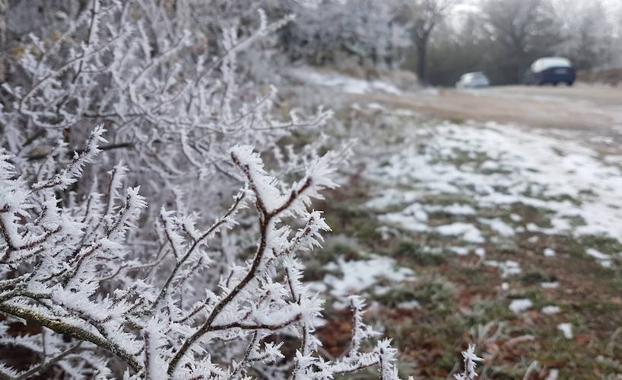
[472,74]
[549,62]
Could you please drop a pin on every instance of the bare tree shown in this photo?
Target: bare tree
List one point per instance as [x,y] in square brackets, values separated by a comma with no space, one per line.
[524,29]
[427,14]
[589,34]
[3,9]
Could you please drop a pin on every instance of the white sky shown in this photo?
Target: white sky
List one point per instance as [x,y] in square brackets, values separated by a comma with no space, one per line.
[615,7]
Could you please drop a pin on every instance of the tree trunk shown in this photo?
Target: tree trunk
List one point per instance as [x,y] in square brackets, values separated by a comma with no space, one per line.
[3,42]
[422,61]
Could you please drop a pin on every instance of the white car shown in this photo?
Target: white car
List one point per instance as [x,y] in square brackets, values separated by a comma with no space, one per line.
[473,80]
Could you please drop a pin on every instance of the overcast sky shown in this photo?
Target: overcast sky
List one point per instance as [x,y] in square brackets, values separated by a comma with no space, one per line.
[614,6]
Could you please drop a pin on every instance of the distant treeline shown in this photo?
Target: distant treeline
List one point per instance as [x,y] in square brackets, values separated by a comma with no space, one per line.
[503,37]
[442,39]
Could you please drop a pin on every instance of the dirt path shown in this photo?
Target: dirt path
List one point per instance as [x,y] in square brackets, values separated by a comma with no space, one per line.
[583,107]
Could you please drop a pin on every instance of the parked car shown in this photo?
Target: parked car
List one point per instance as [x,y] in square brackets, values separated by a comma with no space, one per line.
[551,70]
[473,80]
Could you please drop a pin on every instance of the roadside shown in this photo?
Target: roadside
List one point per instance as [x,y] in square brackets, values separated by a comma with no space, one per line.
[590,113]
[500,233]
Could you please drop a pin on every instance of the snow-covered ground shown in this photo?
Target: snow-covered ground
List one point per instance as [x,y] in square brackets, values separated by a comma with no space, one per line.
[511,212]
[506,223]
[343,83]
[492,167]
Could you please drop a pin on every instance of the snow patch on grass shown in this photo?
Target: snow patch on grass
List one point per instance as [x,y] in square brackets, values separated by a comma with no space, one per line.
[499,226]
[357,276]
[412,218]
[520,305]
[603,259]
[566,329]
[342,82]
[464,231]
[548,252]
[453,209]
[550,310]
[409,305]
[550,285]
[508,268]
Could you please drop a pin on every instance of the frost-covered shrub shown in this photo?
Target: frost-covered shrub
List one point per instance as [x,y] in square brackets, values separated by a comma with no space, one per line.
[173,99]
[204,283]
[56,260]
[118,287]
[470,362]
[374,32]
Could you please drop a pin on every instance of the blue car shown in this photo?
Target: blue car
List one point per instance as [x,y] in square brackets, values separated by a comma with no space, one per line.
[551,70]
